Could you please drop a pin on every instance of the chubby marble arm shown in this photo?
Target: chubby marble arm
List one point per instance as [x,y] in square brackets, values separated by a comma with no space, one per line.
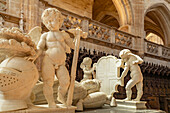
[125,71]
[41,44]
[93,72]
[69,41]
[138,60]
[40,47]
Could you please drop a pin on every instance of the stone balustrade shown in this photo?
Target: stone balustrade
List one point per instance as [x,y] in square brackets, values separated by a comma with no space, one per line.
[157,49]
[107,34]
[165,52]
[71,22]
[125,39]
[99,31]
[10,18]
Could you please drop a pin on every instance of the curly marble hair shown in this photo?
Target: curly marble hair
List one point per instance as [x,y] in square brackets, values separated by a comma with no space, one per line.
[86,61]
[124,52]
[52,11]
[128,52]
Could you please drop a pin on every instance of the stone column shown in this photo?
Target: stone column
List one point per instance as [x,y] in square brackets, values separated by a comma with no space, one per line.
[138,27]
[31,13]
[112,36]
[159,50]
[141,44]
[138,11]
[85,24]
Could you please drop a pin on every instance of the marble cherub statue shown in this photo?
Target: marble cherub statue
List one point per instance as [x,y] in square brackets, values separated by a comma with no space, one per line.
[87,69]
[55,45]
[131,63]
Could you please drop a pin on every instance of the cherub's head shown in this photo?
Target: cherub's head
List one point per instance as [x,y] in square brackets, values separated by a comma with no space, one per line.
[52,19]
[124,53]
[86,63]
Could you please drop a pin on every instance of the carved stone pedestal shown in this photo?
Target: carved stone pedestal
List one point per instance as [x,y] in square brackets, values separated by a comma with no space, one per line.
[45,109]
[131,104]
[12,105]
[108,109]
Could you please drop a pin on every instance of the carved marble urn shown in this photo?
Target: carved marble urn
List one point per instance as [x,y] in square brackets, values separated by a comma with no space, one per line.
[17,74]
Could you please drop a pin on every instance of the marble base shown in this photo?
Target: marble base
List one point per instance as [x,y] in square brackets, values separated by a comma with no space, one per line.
[131,104]
[108,109]
[10,105]
[45,109]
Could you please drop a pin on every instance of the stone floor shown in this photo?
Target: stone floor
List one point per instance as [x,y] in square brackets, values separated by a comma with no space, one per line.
[107,109]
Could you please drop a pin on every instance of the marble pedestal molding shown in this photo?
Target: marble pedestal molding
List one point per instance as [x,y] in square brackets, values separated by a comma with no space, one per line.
[108,109]
[130,104]
[45,109]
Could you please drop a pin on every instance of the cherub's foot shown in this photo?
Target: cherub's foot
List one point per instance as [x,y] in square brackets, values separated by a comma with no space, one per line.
[61,99]
[136,99]
[52,105]
[126,99]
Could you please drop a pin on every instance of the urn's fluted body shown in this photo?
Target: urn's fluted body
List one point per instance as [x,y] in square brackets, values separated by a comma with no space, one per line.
[17,78]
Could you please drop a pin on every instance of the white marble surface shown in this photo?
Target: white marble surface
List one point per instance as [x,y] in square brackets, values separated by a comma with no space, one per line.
[108,72]
[131,104]
[108,109]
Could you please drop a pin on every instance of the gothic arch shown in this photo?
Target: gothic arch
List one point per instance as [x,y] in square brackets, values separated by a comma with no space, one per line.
[125,12]
[118,11]
[106,12]
[159,21]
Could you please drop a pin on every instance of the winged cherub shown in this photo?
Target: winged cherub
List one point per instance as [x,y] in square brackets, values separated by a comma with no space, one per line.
[55,45]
